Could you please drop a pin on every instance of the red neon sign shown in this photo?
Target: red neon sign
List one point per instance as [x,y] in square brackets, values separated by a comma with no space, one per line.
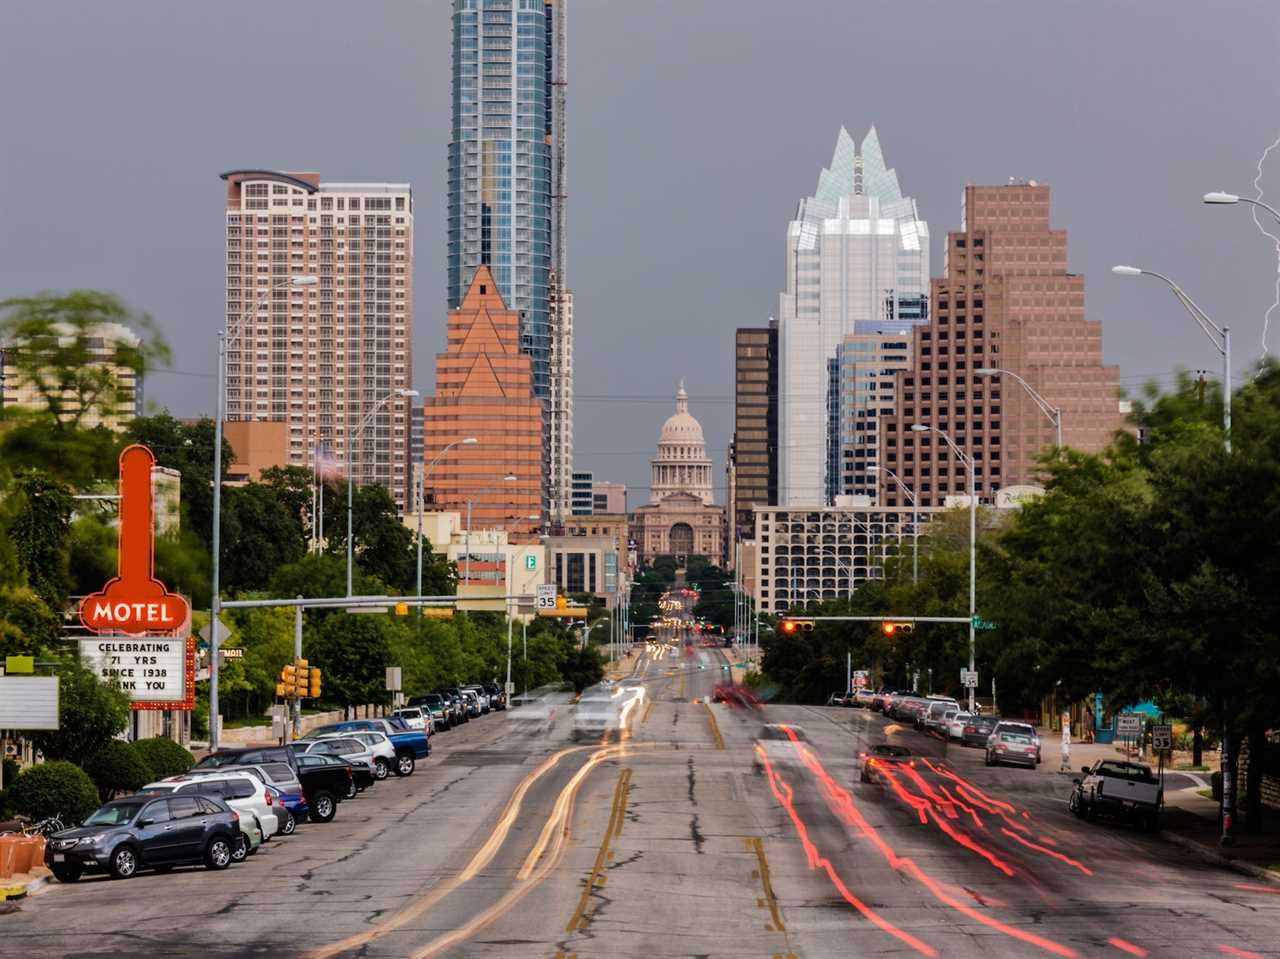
[134,601]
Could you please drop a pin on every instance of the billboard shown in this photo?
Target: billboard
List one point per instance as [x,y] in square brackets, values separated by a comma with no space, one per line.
[28,702]
[155,672]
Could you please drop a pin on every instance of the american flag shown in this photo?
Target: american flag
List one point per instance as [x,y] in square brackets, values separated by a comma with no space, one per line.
[328,464]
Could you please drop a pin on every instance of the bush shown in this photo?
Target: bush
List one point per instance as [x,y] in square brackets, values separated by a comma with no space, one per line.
[163,756]
[55,788]
[117,767]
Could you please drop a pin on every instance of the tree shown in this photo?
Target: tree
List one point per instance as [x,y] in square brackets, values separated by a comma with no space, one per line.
[163,756]
[582,667]
[40,531]
[258,536]
[90,714]
[54,346]
[27,626]
[353,653]
[314,576]
[117,767]
[56,788]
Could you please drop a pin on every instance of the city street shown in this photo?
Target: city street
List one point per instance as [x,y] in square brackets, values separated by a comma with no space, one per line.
[664,841]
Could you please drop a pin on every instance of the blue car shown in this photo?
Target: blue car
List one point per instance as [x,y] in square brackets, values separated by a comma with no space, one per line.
[295,803]
[410,744]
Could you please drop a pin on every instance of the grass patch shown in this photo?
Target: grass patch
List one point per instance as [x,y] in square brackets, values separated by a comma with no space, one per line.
[1191,769]
[1206,793]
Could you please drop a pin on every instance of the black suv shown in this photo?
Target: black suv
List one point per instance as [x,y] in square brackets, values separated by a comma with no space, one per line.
[248,757]
[146,832]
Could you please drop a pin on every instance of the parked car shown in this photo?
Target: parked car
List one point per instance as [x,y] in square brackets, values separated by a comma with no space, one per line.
[472,703]
[246,757]
[243,792]
[281,777]
[864,699]
[956,723]
[977,730]
[413,717]
[378,743]
[838,699]
[457,703]
[1024,729]
[932,718]
[326,780]
[1005,746]
[873,761]
[438,708]
[497,698]
[411,744]
[1121,790]
[146,832]
[352,750]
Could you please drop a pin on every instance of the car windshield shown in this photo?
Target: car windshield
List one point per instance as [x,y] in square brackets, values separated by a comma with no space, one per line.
[1130,771]
[884,749]
[116,813]
[1016,738]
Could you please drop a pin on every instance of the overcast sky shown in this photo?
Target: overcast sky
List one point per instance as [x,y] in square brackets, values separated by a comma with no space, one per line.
[694,128]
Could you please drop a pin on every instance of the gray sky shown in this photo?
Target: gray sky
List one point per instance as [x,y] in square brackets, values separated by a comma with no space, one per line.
[694,128]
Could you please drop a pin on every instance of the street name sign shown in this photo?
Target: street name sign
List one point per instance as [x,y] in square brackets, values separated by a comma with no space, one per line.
[969,678]
[1128,725]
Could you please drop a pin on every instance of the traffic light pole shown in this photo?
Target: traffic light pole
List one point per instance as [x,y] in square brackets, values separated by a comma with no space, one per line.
[297,654]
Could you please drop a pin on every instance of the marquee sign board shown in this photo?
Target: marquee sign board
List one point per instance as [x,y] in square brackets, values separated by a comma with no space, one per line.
[134,601]
[155,672]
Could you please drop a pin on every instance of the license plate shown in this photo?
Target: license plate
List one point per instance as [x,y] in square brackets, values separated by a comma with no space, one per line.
[1129,804]
[59,857]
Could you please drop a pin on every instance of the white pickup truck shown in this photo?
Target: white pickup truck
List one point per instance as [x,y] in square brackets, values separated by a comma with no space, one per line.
[1123,790]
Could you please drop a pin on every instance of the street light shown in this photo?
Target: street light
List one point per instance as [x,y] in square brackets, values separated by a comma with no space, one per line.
[215,602]
[973,543]
[915,522]
[1211,330]
[351,438]
[421,491]
[1219,199]
[466,561]
[1053,412]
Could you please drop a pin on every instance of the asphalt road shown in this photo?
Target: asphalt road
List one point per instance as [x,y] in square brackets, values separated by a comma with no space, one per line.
[664,840]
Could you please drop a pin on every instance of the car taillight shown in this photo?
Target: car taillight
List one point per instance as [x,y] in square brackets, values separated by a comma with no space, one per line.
[349,772]
[971,729]
[267,796]
[235,816]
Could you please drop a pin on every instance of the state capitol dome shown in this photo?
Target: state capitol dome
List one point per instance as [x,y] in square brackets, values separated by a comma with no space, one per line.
[682,465]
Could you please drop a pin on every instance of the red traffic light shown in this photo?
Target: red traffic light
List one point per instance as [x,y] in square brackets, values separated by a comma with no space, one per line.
[792,626]
[789,626]
[892,628]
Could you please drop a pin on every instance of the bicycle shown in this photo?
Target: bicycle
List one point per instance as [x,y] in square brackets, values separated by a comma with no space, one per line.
[45,827]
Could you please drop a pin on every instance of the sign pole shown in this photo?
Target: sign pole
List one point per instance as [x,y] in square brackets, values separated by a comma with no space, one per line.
[297,654]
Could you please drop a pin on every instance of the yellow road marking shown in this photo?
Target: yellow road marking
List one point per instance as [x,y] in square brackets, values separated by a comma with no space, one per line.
[715,726]
[754,844]
[612,831]
[647,710]
[680,694]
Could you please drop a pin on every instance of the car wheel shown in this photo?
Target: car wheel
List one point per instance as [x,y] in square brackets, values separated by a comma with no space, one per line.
[352,790]
[987,760]
[240,848]
[288,824]
[1073,805]
[67,873]
[405,764]
[219,854]
[124,862]
[381,770]
[324,808]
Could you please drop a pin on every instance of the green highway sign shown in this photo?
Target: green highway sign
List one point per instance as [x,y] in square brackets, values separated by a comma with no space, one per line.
[979,623]
[531,561]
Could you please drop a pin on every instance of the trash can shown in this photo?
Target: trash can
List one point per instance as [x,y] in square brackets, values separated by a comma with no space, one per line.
[8,853]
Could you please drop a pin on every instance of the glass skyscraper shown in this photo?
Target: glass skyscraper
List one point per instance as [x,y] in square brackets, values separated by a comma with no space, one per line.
[500,162]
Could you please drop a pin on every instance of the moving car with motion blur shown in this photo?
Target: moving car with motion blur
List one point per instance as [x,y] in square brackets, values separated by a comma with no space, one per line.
[977,730]
[1119,790]
[146,832]
[874,761]
[734,694]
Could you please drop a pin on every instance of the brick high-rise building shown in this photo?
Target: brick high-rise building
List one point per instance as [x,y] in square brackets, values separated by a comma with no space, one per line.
[484,389]
[1008,302]
[329,357]
[754,458]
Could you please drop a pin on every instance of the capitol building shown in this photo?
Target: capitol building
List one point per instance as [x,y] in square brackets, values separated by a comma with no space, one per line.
[680,519]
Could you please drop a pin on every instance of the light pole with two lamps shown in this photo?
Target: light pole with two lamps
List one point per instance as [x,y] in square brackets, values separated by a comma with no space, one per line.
[968,461]
[421,486]
[215,602]
[1053,412]
[915,520]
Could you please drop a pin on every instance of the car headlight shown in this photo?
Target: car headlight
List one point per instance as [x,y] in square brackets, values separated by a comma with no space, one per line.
[93,840]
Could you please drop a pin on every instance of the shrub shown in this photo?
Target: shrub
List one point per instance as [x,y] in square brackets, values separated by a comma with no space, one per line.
[55,788]
[117,767]
[163,756]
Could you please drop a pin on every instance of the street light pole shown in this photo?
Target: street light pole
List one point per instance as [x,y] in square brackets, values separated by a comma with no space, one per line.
[215,585]
[1211,330]
[421,487]
[1053,412]
[915,519]
[973,545]
[350,441]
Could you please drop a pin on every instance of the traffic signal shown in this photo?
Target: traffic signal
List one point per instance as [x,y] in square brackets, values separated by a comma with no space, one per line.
[896,628]
[402,609]
[792,626]
[302,670]
[288,681]
[315,682]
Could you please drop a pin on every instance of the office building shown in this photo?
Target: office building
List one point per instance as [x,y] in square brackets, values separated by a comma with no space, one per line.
[105,344]
[803,557]
[327,359]
[484,390]
[590,555]
[490,567]
[1007,301]
[753,460]
[582,494]
[507,191]
[857,265]
[609,497]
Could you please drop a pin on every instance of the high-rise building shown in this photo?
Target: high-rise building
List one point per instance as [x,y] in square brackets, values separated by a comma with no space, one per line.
[507,192]
[754,461]
[327,359]
[857,265]
[484,389]
[609,497]
[1006,302]
[582,493]
[106,345]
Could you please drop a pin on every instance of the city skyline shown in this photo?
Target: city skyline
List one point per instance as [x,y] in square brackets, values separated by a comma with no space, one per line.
[1118,205]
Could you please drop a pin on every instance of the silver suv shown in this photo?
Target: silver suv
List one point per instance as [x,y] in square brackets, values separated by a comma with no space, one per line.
[381,747]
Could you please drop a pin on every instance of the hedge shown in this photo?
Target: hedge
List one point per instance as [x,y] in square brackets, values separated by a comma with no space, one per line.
[54,788]
[163,756]
[118,767]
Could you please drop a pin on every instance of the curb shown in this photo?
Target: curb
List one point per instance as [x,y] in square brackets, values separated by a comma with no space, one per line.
[14,891]
[1212,855]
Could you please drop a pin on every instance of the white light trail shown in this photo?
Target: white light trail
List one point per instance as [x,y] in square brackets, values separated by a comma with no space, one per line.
[1275,303]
